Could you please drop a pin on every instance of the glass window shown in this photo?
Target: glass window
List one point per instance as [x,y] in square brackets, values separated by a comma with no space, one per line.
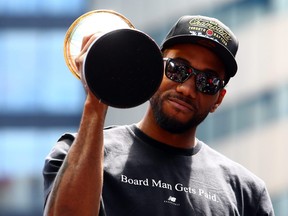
[23,150]
[35,74]
[20,7]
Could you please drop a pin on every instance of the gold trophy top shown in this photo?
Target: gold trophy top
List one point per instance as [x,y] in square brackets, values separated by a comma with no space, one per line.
[93,22]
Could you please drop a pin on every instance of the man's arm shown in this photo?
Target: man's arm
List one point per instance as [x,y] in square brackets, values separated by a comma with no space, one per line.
[78,185]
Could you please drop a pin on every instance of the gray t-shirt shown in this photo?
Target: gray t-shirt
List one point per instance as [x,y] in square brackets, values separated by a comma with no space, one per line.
[146,177]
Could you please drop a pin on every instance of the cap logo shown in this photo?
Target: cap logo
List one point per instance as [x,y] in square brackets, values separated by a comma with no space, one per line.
[209,32]
[210,29]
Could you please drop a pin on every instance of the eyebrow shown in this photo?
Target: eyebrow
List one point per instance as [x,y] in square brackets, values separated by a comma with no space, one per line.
[207,70]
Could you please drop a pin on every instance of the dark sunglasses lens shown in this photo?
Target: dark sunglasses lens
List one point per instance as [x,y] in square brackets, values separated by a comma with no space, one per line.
[177,71]
[208,83]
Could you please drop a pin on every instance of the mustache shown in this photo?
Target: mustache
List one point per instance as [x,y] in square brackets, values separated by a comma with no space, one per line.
[187,100]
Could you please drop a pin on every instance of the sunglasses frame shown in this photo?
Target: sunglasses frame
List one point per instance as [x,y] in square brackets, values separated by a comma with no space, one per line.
[196,73]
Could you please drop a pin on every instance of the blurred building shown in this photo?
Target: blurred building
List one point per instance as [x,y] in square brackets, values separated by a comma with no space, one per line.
[41,99]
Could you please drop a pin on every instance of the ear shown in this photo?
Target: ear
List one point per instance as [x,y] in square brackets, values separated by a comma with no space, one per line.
[221,95]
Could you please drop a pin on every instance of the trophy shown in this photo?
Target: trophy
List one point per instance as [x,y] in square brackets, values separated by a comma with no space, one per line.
[123,67]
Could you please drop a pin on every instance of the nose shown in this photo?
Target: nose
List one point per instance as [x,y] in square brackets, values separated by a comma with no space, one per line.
[188,88]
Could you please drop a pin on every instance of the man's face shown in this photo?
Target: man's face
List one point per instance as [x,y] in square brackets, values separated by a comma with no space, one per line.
[179,107]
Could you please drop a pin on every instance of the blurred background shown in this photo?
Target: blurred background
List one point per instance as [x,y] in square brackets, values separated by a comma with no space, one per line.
[41,99]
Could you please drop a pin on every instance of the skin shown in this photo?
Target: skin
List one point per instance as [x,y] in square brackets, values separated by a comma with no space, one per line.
[198,105]
[78,185]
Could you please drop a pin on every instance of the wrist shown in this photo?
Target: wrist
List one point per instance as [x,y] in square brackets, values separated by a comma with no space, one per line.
[94,108]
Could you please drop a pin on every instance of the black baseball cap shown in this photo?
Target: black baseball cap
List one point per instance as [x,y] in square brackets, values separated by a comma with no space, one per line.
[208,32]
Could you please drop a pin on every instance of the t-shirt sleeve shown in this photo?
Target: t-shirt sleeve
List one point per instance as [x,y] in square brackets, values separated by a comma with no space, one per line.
[265,205]
[54,160]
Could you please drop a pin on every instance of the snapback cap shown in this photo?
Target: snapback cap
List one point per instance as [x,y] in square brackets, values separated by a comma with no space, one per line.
[208,32]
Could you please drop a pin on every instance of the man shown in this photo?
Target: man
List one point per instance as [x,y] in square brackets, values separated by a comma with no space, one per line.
[158,166]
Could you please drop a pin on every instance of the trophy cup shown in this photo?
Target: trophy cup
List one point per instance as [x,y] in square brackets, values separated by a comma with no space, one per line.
[123,67]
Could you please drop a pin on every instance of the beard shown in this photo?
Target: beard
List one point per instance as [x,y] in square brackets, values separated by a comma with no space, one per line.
[170,123]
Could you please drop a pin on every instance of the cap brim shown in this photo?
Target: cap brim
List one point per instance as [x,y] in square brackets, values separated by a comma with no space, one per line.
[226,56]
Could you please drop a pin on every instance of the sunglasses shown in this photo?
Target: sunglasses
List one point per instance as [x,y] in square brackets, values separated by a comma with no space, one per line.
[206,82]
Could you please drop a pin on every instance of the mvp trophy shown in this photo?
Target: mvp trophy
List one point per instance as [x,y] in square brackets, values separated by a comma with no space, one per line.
[123,67]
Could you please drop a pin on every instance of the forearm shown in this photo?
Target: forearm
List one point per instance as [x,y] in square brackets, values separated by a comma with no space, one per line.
[78,185]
